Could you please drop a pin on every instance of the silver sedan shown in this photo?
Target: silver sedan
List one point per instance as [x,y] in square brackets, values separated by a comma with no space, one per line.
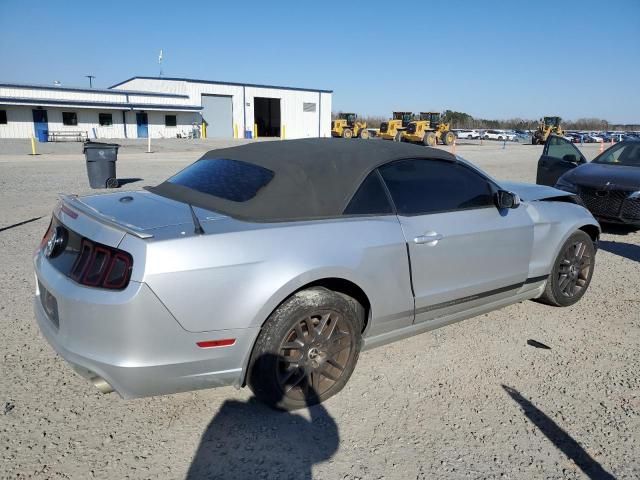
[274,264]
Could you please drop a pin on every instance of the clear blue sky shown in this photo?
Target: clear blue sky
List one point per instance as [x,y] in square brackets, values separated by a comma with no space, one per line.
[492,59]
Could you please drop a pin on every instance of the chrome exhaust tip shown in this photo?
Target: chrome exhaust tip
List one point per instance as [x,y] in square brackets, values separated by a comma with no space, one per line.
[102,385]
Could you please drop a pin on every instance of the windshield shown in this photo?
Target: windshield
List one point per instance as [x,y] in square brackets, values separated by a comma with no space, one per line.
[229,179]
[622,154]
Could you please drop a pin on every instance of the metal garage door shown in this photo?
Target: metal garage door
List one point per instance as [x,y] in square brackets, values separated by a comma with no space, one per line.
[217,112]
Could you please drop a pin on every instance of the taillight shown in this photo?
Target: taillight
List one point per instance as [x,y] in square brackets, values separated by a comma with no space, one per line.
[101,266]
[46,236]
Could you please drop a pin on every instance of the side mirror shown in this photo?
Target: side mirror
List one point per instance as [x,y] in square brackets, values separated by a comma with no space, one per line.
[506,199]
[570,158]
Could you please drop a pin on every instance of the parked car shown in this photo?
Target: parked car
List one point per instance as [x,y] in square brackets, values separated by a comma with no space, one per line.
[609,185]
[498,135]
[468,134]
[522,138]
[273,264]
[572,137]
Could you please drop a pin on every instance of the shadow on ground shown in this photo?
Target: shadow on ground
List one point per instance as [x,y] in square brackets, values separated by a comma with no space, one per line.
[2,229]
[248,440]
[561,439]
[622,249]
[124,181]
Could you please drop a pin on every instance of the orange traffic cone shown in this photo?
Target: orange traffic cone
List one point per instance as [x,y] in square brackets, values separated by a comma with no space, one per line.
[601,146]
[453,147]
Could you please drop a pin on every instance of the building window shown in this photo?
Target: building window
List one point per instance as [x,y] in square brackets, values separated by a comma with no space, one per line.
[105,119]
[69,118]
[170,121]
[3,117]
[308,107]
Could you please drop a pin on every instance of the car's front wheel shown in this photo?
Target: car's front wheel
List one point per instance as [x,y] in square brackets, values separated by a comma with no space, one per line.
[307,350]
[572,271]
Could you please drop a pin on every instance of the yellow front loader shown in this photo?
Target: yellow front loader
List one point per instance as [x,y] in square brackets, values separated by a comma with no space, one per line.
[392,129]
[347,126]
[546,127]
[429,130]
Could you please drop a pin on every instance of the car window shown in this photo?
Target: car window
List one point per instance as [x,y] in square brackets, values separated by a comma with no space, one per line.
[558,147]
[370,199]
[229,179]
[622,154]
[430,186]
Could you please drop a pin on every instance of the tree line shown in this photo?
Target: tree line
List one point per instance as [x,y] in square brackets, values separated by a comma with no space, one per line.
[464,120]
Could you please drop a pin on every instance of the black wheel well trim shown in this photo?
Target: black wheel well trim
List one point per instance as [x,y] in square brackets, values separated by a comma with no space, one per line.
[335,284]
[593,232]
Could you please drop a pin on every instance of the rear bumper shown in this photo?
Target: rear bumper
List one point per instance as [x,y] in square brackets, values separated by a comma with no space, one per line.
[130,340]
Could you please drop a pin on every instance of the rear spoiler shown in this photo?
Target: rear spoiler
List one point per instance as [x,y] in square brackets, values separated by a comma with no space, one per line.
[73,202]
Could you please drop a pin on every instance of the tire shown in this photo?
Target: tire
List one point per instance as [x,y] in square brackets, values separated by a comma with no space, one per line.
[364,134]
[448,138]
[347,133]
[430,139]
[322,332]
[572,271]
[112,183]
[398,137]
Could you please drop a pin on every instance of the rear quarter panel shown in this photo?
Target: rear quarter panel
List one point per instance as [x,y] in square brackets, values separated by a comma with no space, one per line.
[236,276]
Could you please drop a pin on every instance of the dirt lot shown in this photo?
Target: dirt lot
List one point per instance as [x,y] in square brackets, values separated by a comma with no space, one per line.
[471,400]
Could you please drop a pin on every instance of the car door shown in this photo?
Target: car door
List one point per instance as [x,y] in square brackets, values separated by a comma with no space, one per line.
[463,250]
[558,157]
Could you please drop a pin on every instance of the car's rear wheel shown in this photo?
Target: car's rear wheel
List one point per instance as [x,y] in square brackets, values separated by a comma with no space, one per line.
[307,350]
[572,271]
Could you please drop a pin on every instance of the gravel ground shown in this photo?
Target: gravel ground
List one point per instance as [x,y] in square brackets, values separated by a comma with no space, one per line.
[471,400]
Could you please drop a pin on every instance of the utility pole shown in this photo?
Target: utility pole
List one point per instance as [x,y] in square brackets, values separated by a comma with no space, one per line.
[90,77]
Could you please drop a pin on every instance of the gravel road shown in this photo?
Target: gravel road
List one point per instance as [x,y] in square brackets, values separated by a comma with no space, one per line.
[471,400]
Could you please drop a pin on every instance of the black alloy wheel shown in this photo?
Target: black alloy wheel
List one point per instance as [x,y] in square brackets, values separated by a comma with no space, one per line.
[572,271]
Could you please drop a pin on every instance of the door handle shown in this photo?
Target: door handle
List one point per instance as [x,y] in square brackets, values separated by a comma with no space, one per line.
[429,238]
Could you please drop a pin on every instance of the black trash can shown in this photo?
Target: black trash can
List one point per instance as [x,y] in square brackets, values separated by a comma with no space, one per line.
[101,164]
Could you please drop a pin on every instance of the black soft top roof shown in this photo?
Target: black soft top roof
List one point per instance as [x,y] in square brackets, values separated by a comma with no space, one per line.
[313,178]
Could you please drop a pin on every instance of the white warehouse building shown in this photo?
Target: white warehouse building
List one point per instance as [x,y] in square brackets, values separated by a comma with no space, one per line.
[156,107]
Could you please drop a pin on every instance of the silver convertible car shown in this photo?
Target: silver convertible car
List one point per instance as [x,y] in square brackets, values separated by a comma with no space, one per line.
[274,264]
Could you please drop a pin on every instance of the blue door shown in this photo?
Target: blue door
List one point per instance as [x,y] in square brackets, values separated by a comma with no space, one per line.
[143,125]
[41,125]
